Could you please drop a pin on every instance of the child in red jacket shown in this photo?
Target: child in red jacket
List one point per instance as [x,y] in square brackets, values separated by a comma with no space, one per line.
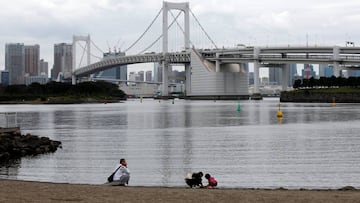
[212,182]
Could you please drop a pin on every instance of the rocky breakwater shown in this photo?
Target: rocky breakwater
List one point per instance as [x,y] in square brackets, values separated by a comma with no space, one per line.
[14,145]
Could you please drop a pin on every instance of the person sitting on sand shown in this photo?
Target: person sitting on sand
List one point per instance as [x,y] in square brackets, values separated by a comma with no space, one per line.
[194,180]
[122,174]
[212,183]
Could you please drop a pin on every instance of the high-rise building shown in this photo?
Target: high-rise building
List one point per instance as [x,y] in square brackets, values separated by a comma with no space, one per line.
[15,62]
[62,61]
[132,76]
[32,60]
[157,72]
[117,72]
[292,74]
[308,72]
[141,76]
[148,76]
[4,78]
[251,78]
[44,67]
[325,71]
[353,73]
[274,76]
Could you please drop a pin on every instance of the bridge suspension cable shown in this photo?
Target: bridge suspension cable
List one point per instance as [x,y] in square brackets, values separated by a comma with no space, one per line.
[82,56]
[84,48]
[202,28]
[96,46]
[146,30]
[181,28]
[157,39]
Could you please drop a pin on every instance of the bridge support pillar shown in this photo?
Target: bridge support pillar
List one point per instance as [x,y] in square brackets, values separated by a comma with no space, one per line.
[73,79]
[187,79]
[285,76]
[336,58]
[217,63]
[336,69]
[165,78]
[256,70]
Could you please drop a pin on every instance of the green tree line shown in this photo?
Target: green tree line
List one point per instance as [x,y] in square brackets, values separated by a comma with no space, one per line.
[98,89]
[333,81]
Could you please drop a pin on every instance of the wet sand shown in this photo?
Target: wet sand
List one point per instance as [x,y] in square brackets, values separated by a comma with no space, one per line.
[26,191]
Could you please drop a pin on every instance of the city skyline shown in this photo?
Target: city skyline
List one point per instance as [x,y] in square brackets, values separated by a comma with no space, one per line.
[256,23]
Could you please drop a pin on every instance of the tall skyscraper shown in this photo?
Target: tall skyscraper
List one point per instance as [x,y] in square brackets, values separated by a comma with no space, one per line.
[132,76]
[292,74]
[308,71]
[325,70]
[157,72]
[32,60]
[4,78]
[62,61]
[141,75]
[44,67]
[148,76]
[274,76]
[353,73]
[15,62]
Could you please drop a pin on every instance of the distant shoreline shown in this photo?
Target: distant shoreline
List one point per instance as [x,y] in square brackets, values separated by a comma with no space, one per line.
[326,95]
[55,101]
[27,191]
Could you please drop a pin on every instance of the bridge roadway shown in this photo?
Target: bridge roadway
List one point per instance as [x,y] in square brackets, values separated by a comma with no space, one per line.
[339,57]
[347,56]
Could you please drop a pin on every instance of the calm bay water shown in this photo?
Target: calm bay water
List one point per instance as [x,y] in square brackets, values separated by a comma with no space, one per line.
[313,146]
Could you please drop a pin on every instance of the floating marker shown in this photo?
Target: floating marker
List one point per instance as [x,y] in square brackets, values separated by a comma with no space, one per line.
[279,112]
[333,103]
[238,107]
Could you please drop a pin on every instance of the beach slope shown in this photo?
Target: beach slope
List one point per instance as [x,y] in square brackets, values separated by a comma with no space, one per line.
[26,191]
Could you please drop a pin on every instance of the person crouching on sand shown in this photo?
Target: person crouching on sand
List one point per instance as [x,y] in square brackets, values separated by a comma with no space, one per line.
[212,183]
[122,175]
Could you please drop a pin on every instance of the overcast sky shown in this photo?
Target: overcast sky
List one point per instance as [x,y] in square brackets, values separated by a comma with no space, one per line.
[119,23]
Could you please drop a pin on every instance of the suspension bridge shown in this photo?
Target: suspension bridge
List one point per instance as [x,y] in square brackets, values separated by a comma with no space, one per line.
[214,71]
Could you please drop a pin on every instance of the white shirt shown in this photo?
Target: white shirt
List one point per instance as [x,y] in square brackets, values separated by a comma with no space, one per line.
[121,171]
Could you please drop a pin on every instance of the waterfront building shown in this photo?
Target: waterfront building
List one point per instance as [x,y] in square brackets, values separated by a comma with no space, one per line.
[292,74]
[62,61]
[308,71]
[117,72]
[148,76]
[32,60]
[44,67]
[275,75]
[41,79]
[140,76]
[251,78]
[157,72]
[4,78]
[177,76]
[15,63]
[325,70]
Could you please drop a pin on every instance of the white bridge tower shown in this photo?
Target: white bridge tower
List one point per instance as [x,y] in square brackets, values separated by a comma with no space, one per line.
[76,39]
[167,6]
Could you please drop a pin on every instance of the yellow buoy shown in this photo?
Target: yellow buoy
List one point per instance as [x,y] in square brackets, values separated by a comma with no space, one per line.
[279,112]
[333,104]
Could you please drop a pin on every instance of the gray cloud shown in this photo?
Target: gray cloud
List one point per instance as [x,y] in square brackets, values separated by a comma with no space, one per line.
[256,22]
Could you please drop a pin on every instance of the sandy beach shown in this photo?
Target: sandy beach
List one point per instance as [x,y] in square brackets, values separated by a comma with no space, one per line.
[26,191]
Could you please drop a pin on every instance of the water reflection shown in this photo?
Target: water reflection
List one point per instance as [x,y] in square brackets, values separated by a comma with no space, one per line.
[315,145]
